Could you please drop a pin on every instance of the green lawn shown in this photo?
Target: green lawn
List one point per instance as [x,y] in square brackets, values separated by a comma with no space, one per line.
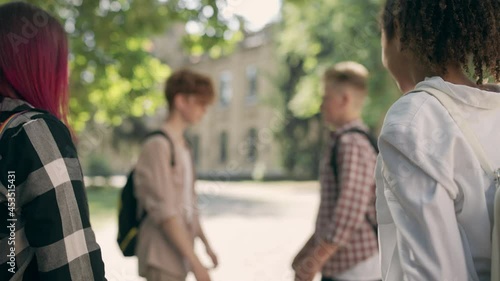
[103,204]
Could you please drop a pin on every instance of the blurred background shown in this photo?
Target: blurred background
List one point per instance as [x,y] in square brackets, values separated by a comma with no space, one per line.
[257,150]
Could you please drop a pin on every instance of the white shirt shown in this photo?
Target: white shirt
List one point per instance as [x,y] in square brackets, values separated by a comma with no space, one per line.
[434,201]
[368,270]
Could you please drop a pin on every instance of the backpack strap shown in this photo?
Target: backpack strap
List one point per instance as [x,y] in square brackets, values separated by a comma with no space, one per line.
[335,149]
[170,142]
[172,158]
[6,123]
[333,162]
[454,112]
[450,105]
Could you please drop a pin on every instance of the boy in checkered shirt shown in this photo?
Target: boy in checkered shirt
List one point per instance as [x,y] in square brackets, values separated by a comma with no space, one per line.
[344,244]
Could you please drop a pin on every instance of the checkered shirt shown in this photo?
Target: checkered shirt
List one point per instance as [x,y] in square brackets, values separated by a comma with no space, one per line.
[53,238]
[342,216]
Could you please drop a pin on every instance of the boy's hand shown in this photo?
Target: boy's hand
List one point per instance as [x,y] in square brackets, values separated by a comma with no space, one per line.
[303,253]
[311,259]
[306,269]
[309,277]
[212,256]
[298,259]
[200,272]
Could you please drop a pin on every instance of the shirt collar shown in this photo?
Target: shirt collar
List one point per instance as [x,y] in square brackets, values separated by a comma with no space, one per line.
[9,104]
[357,123]
[484,99]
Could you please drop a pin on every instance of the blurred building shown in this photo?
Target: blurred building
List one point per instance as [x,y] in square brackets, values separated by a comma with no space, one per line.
[236,139]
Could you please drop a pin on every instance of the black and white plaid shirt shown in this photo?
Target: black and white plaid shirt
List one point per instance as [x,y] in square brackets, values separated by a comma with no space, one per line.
[45,231]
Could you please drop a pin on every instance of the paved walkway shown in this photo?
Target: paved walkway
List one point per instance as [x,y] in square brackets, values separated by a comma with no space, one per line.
[255,229]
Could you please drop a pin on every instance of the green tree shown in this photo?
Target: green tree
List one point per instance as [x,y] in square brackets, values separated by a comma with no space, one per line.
[113,73]
[313,36]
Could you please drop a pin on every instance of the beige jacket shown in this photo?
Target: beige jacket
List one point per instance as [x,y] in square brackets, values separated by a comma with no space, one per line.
[159,189]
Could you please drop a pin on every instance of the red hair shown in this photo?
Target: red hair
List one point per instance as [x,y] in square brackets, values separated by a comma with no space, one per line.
[34,58]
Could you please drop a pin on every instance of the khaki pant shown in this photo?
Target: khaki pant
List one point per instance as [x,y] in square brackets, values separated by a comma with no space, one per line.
[155,274]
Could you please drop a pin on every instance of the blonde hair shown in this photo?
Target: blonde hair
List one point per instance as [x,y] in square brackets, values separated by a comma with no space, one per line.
[348,72]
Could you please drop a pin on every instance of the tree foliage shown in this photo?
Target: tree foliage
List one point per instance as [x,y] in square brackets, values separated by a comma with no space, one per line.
[113,73]
[314,36]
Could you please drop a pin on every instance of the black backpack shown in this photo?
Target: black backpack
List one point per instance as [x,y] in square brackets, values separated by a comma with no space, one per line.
[128,223]
[333,162]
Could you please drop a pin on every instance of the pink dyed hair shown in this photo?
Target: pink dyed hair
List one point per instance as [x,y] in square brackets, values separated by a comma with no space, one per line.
[34,58]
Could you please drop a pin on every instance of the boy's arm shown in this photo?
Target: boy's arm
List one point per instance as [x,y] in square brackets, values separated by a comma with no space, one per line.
[155,191]
[311,259]
[199,229]
[204,239]
[201,233]
[178,235]
[303,253]
[356,161]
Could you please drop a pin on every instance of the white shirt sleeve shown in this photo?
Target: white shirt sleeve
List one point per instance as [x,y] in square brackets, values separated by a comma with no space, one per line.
[428,240]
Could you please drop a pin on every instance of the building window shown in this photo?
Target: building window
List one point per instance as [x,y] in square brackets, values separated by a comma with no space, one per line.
[252,83]
[252,145]
[223,147]
[225,88]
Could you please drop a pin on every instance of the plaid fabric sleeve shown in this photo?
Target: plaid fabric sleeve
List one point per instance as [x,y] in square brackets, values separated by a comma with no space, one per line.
[53,202]
[356,164]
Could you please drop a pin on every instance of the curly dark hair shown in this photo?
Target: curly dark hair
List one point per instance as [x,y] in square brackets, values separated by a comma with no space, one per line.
[444,32]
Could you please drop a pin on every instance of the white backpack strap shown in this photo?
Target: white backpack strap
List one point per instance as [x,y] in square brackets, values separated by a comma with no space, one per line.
[495,240]
[452,108]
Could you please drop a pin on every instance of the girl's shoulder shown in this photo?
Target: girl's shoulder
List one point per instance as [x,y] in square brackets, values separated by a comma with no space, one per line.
[415,109]
[36,132]
[491,87]
[38,122]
